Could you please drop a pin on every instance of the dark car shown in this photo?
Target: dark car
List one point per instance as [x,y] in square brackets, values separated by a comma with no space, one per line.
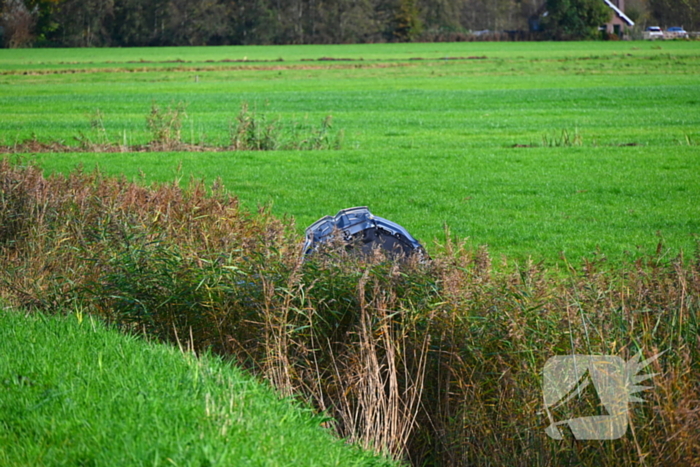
[362,232]
[676,32]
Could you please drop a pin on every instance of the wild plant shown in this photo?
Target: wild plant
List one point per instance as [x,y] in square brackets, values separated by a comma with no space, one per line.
[97,140]
[165,126]
[565,139]
[254,131]
[320,137]
[251,131]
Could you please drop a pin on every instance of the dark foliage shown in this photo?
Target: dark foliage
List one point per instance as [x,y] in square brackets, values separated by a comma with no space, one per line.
[684,13]
[117,23]
[97,23]
[575,19]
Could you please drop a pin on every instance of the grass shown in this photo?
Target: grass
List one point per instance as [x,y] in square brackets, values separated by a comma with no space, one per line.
[582,155]
[620,202]
[77,393]
[215,56]
[426,142]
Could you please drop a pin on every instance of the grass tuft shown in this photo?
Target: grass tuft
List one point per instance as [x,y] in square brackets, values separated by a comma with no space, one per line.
[250,132]
[565,139]
[165,126]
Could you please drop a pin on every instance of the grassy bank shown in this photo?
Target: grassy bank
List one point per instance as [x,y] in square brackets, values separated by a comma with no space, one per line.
[76,393]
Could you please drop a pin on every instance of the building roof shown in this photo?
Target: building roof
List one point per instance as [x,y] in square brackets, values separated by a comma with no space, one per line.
[619,13]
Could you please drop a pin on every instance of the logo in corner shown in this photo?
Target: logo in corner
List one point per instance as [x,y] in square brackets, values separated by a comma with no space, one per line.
[614,380]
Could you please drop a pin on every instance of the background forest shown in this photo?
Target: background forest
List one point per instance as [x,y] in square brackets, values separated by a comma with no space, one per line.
[100,23]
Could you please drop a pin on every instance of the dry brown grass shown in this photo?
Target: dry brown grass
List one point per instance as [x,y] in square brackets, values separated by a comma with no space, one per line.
[436,362]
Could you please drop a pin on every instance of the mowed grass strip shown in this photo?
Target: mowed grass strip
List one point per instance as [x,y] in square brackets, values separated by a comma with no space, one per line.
[75,393]
[226,56]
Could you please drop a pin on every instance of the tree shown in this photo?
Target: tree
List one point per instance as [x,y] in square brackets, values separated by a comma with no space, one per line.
[195,22]
[407,24]
[83,23]
[575,19]
[352,21]
[442,15]
[676,13]
[18,22]
[46,23]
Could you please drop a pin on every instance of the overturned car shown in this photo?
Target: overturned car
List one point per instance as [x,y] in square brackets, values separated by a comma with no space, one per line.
[362,232]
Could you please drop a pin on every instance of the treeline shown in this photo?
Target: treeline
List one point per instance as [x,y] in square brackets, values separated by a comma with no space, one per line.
[90,23]
[99,23]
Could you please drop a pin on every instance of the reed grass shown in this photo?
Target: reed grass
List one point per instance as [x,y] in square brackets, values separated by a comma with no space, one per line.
[436,362]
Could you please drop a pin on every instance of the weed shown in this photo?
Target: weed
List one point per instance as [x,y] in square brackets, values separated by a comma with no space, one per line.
[687,140]
[321,138]
[165,126]
[251,131]
[566,139]
[98,126]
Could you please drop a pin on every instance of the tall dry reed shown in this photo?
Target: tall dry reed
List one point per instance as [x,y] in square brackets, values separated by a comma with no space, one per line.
[437,362]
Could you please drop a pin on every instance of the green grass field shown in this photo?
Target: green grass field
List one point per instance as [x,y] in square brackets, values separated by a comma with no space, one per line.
[76,393]
[534,149]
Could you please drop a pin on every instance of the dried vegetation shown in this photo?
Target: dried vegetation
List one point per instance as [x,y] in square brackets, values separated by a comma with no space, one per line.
[435,362]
